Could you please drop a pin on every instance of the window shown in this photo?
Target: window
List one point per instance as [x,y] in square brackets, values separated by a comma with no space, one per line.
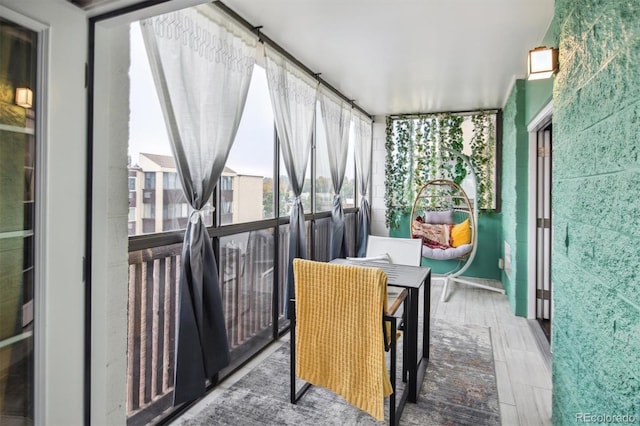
[18,235]
[286,191]
[175,211]
[324,185]
[348,190]
[226,183]
[417,156]
[170,180]
[246,187]
[149,211]
[149,180]
[246,192]
[150,152]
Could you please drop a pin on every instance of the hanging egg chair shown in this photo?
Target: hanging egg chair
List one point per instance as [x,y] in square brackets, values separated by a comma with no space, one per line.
[445,218]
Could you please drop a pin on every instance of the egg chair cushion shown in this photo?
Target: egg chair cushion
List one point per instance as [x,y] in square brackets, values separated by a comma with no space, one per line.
[446,254]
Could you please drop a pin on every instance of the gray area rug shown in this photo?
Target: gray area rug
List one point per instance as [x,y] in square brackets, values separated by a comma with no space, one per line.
[459,389]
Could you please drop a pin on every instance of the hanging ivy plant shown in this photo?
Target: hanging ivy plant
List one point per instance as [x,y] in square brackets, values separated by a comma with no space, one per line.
[415,155]
[483,158]
[422,152]
[397,147]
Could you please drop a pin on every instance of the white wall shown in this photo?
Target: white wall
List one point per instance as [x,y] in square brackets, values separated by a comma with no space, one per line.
[377,178]
[110,217]
[60,287]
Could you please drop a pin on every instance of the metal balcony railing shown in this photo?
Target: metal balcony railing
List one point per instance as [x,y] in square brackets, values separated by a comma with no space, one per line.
[252,280]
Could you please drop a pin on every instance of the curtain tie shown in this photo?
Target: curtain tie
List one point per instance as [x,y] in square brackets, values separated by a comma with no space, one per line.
[199,214]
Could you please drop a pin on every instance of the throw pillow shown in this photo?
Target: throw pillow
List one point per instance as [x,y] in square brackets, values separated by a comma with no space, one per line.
[444,216]
[434,236]
[461,234]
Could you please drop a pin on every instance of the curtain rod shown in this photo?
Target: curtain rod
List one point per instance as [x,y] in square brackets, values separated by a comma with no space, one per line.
[422,114]
[264,39]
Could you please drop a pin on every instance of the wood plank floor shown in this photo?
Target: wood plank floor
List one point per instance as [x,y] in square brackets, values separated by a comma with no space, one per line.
[522,360]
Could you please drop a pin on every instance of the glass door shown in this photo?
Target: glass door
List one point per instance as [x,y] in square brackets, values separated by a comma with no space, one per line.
[543,231]
[18,49]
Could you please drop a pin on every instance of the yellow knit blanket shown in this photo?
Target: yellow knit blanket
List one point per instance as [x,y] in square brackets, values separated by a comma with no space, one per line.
[339,339]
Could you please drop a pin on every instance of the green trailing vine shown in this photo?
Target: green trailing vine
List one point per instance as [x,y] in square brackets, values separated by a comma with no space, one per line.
[396,166]
[414,155]
[483,156]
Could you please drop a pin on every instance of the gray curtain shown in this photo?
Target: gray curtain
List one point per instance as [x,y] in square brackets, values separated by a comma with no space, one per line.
[336,116]
[363,147]
[293,97]
[202,65]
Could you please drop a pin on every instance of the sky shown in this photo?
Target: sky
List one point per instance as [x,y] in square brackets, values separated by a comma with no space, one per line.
[252,151]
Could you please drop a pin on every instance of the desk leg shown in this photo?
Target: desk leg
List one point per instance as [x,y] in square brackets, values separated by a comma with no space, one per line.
[426,330]
[412,338]
[418,362]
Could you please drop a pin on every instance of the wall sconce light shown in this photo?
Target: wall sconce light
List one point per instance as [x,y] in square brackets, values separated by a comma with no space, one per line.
[543,62]
[24,97]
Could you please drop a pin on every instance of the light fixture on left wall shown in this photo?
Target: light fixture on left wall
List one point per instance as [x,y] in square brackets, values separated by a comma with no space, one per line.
[24,97]
[543,62]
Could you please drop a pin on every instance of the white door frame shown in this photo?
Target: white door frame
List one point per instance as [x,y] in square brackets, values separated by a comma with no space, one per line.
[536,124]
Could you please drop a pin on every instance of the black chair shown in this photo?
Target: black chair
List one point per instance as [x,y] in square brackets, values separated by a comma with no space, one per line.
[340,310]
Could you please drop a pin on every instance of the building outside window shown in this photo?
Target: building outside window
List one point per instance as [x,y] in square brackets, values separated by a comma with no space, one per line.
[149,211]
[175,211]
[149,180]
[226,182]
[170,180]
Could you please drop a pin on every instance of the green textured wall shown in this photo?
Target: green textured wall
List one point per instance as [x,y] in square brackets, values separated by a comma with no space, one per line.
[485,264]
[596,182]
[515,166]
[538,93]
[526,100]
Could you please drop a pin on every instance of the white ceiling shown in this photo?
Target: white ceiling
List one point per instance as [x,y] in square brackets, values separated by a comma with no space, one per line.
[402,56]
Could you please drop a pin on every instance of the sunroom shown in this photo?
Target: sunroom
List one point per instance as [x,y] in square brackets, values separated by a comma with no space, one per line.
[122,160]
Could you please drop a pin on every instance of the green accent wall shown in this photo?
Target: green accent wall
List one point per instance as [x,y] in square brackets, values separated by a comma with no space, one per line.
[485,264]
[526,100]
[596,207]
[515,181]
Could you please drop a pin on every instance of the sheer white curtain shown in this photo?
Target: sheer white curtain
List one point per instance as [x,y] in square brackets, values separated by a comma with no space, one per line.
[293,97]
[336,116]
[201,63]
[363,146]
